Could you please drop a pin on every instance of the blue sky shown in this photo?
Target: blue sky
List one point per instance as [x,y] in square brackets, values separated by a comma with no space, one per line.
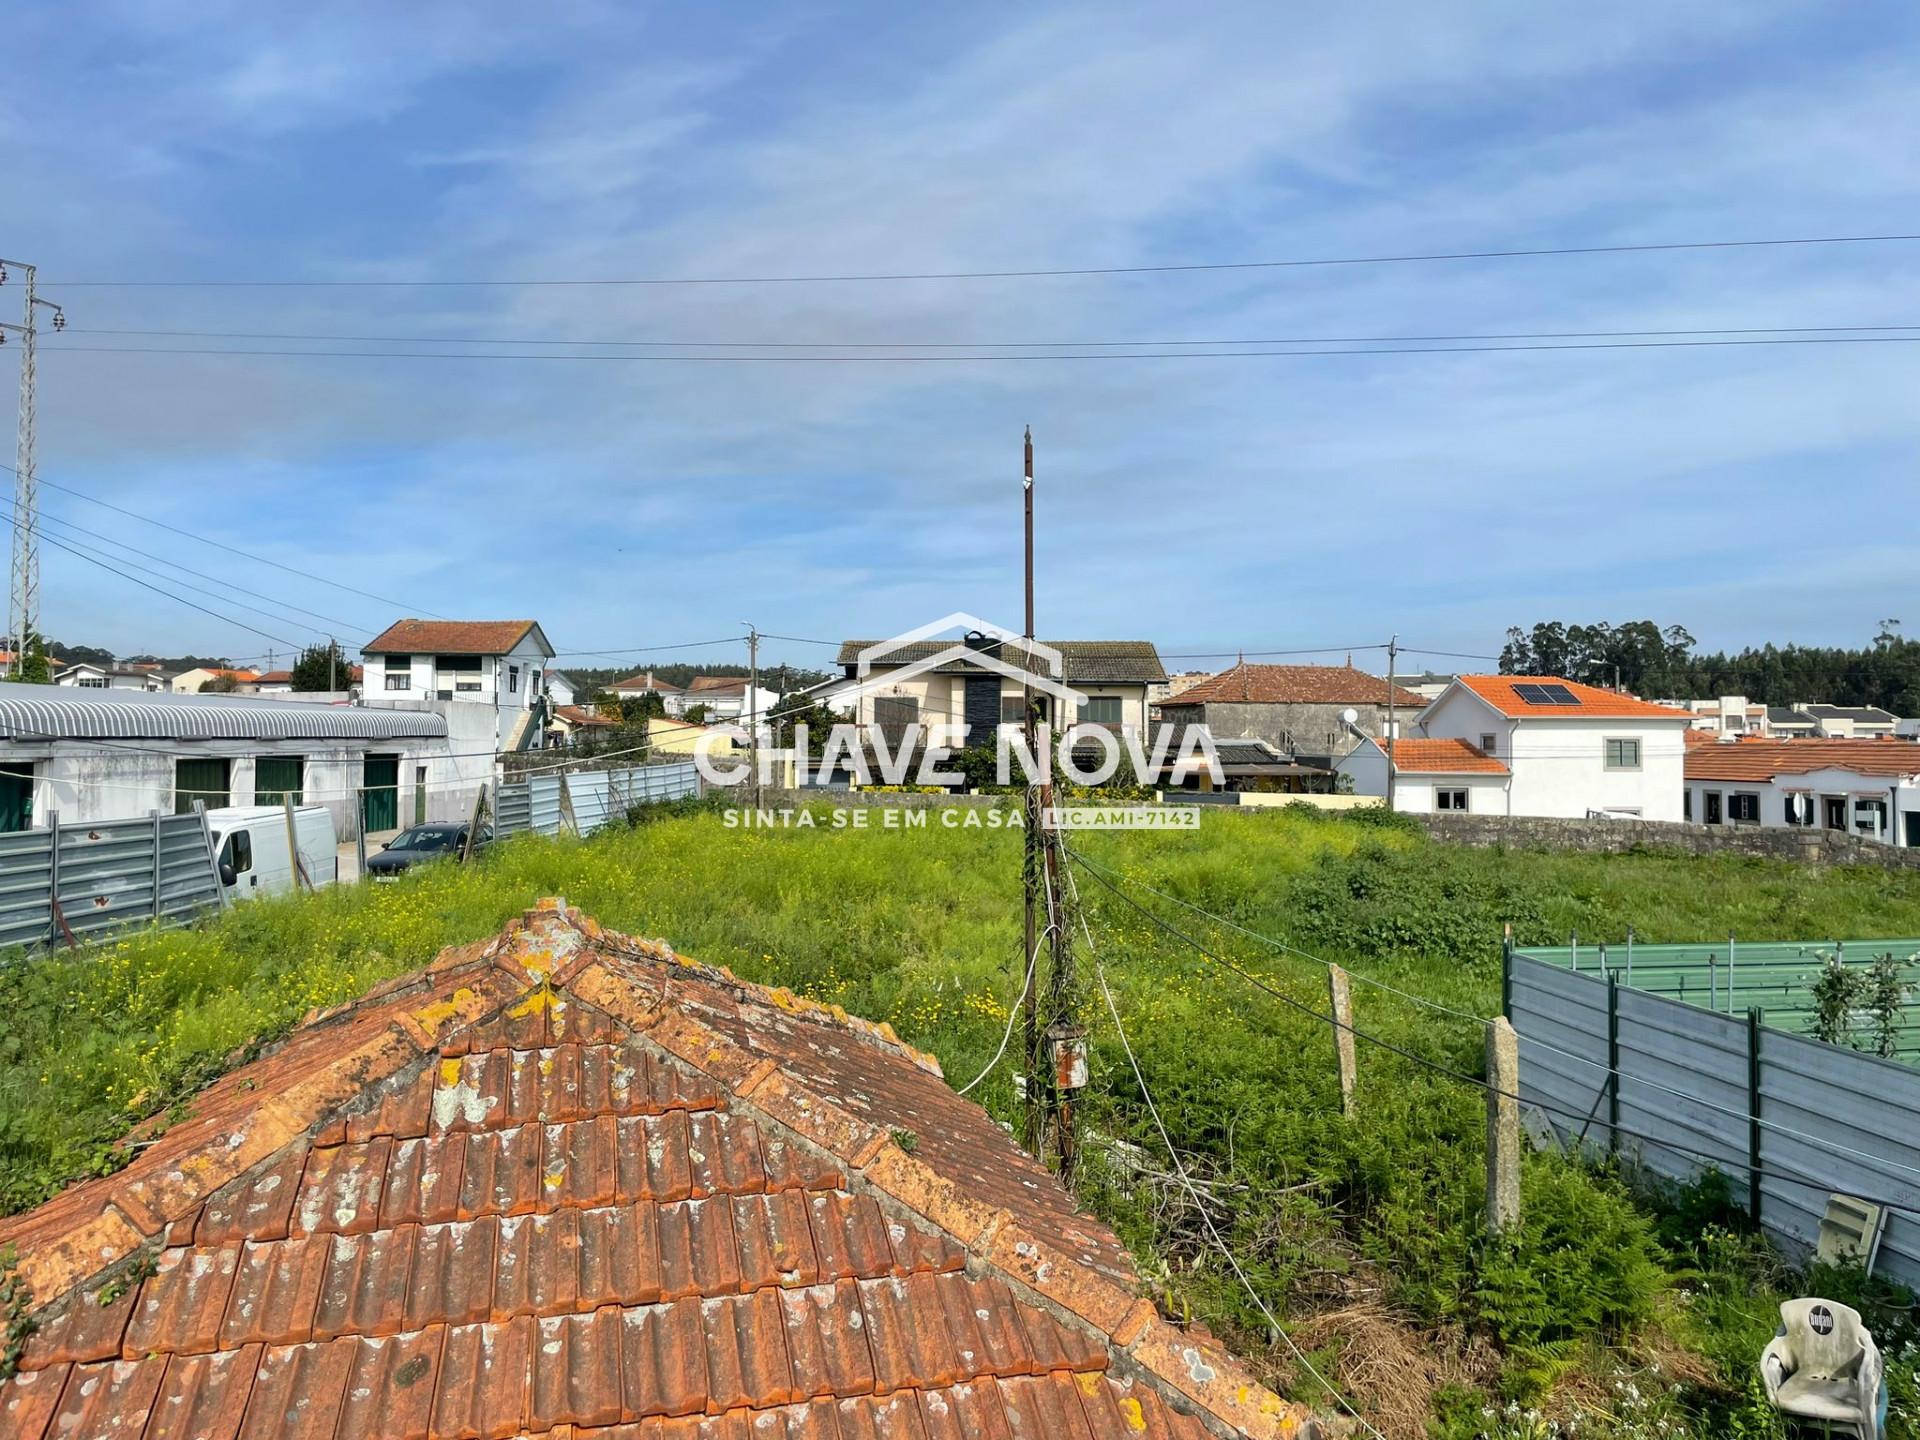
[1207,504]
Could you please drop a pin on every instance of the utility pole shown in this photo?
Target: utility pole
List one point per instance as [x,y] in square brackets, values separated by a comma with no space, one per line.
[1393,652]
[333,663]
[753,708]
[1030,863]
[23,594]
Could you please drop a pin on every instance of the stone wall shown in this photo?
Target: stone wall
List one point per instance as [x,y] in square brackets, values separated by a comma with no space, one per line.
[1806,845]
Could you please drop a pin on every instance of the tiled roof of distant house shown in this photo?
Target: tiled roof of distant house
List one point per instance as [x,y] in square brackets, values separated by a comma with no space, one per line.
[452,637]
[1518,697]
[581,717]
[1092,662]
[567,1183]
[1294,685]
[1764,759]
[645,682]
[1443,757]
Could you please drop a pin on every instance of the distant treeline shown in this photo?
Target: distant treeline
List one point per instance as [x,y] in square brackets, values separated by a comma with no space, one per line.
[1662,664]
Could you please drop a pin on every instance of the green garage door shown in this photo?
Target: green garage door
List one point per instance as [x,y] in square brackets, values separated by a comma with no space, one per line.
[275,777]
[204,780]
[380,800]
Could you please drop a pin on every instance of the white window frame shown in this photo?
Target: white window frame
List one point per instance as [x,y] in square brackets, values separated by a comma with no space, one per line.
[1607,752]
[1461,794]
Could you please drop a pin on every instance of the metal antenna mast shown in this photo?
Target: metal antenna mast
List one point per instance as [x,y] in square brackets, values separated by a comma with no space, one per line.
[23,594]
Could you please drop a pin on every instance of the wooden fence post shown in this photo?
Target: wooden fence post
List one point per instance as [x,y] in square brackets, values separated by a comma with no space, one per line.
[359,833]
[1341,993]
[473,825]
[1503,1126]
[300,880]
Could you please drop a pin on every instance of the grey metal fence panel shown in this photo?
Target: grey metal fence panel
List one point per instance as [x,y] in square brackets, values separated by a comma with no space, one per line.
[110,874]
[1832,1120]
[1845,1101]
[1563,1048]
[1666,1046]
[512,809]
[596,797]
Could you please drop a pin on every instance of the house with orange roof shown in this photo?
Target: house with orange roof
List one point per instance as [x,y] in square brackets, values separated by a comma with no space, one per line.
[565,1183]
[192,682]
[1533,745]
[1868,788]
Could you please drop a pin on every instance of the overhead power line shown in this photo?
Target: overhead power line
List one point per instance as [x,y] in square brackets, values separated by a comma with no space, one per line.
[981,344]
[994,356]
[868,277]
[231,549]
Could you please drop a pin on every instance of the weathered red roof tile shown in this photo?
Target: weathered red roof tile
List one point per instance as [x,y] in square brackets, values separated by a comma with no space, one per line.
[390,1387]
[666,1205]
[663,1360]
[482,1393]
[452,1278]
[181,1304]
[276,1289]
[364,1291]
[112,1398]
[27,1401]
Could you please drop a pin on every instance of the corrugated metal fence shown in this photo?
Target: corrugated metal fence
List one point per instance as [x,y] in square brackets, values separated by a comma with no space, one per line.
[1681,1089]
[98,877]
[1736,975]
[544,804]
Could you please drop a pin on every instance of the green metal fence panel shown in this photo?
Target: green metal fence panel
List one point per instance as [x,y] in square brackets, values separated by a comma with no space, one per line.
[1734,975]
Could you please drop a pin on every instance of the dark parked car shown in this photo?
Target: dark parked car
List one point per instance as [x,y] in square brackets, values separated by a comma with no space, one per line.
[420,844]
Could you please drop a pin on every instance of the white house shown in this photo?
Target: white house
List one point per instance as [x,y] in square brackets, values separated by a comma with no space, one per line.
[1869,788]
[561,689]
[500,664]
[1430,775]
[1567,750]
[671,696]
[726,697]
[84,675]
[89,754]
[1725,715]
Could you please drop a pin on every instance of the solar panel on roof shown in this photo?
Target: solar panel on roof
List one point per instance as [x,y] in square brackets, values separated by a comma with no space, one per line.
[1558,695]
[1532,694]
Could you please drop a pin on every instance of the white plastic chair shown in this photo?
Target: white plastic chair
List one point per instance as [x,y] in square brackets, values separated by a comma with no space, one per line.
[1822,1367]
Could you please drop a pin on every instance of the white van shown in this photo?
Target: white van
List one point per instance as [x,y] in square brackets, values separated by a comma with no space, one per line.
[250,848]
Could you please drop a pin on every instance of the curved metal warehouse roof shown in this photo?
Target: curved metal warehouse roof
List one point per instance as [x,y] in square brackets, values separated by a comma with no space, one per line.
[57,712]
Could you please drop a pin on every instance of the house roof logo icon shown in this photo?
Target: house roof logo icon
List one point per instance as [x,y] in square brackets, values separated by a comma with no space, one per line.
[1046,680]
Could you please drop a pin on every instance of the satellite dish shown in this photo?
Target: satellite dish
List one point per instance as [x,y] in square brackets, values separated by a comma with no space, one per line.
[1350,715]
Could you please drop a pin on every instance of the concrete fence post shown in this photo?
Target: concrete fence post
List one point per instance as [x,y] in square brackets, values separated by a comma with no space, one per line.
[1341,994]
[1503,1126]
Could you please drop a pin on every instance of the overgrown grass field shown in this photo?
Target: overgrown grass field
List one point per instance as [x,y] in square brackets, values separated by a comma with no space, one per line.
[1625,1315]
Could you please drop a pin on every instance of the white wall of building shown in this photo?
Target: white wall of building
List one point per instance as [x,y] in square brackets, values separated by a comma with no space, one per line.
[1873,807]
[86,781]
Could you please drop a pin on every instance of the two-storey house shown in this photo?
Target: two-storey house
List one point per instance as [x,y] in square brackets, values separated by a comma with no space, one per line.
[498,664]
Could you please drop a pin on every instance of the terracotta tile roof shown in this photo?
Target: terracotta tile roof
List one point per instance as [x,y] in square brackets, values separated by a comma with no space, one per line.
[644,681]
[567,1183]
[1498,691]
[450,637]
[1294,685]
[581,716]
[276,677]
[1763,759]
[1443,757]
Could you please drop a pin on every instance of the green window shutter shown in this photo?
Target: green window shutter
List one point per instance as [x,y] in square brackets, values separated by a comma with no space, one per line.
[203,780]
[276,777]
